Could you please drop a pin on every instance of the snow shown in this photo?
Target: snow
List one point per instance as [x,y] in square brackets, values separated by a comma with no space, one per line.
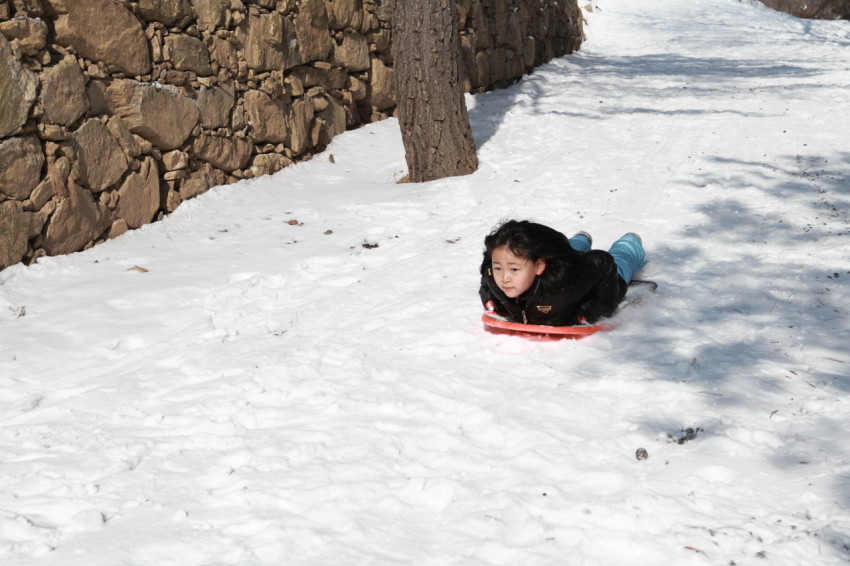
[292,369]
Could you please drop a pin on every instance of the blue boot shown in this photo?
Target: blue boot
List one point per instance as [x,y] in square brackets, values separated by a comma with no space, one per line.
[629,255]
[581,242]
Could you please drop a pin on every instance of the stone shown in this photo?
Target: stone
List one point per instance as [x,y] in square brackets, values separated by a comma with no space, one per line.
[352,52]
[138,196]
[356,87]
[18,90]
[42,193]
[100,159]
[273,86]
[169,12]
[300,119]
[106,31]
[481,24]
[381,43]
[316,96]
[481,76]
[466,63]
[21,162]
[78,220]
[175,175]
[379,92]
[216,105]
[268,163]
[334,117]
[269,42]
[98,100]
[383,11]
[211,14]
[108,198]
[63,92]
[32,8]
[462,7]
[352,113]
[173,77]
[266,117]
[328,78]
[227,154]
[173,200]
[199,182]
[239,119]
[52,132]
[156,45]
[17,227]
[126,139]
[294,86]
[188,53]
[311,29]
[498,67]
[118,228]
[223,52]
[144,145]
[507,29]
[30,33]
[158,113]
[318,134]
[60,169]
[174,160]
[523,12]
[97,71]
[515,65]
[193,187]
[344,14]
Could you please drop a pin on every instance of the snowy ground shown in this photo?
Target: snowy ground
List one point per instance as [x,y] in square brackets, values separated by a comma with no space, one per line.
[292,370]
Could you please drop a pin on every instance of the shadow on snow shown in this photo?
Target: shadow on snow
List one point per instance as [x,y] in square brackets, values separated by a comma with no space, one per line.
[759,326]
[654,77]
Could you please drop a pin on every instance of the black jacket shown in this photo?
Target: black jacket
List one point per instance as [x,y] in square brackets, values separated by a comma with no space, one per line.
[591,293]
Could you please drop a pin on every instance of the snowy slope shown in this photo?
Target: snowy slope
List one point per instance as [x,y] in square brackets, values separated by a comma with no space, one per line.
[291,370]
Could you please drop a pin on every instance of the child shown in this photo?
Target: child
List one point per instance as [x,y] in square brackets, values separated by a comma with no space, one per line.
[535,275]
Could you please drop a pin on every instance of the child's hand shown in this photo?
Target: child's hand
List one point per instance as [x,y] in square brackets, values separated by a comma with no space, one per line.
[490,306]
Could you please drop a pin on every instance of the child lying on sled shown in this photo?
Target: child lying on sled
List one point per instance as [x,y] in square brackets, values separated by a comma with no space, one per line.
[534,274]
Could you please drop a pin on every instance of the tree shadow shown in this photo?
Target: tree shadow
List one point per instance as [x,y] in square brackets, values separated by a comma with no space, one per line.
[641,74]
[759,320]
[737,365]
[792,290]
[770,323]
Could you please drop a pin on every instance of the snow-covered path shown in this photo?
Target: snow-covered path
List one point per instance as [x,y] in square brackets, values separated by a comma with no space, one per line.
[291,370]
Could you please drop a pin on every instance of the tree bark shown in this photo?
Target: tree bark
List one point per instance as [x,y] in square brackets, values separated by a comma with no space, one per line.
[431,107]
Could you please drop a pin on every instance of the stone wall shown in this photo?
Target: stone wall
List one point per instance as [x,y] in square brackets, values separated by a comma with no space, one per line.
[812,9]
[113,112]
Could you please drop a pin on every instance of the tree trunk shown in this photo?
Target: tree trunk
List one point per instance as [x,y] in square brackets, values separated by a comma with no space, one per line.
[431,107]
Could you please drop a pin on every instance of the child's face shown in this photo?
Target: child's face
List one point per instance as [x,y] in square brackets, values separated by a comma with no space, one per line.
[514,275]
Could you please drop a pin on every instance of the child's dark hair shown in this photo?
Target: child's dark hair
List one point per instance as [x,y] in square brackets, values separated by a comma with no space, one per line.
[533,241]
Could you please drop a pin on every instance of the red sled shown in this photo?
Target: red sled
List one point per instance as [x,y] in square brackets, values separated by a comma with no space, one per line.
[639,290]
[495,324]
